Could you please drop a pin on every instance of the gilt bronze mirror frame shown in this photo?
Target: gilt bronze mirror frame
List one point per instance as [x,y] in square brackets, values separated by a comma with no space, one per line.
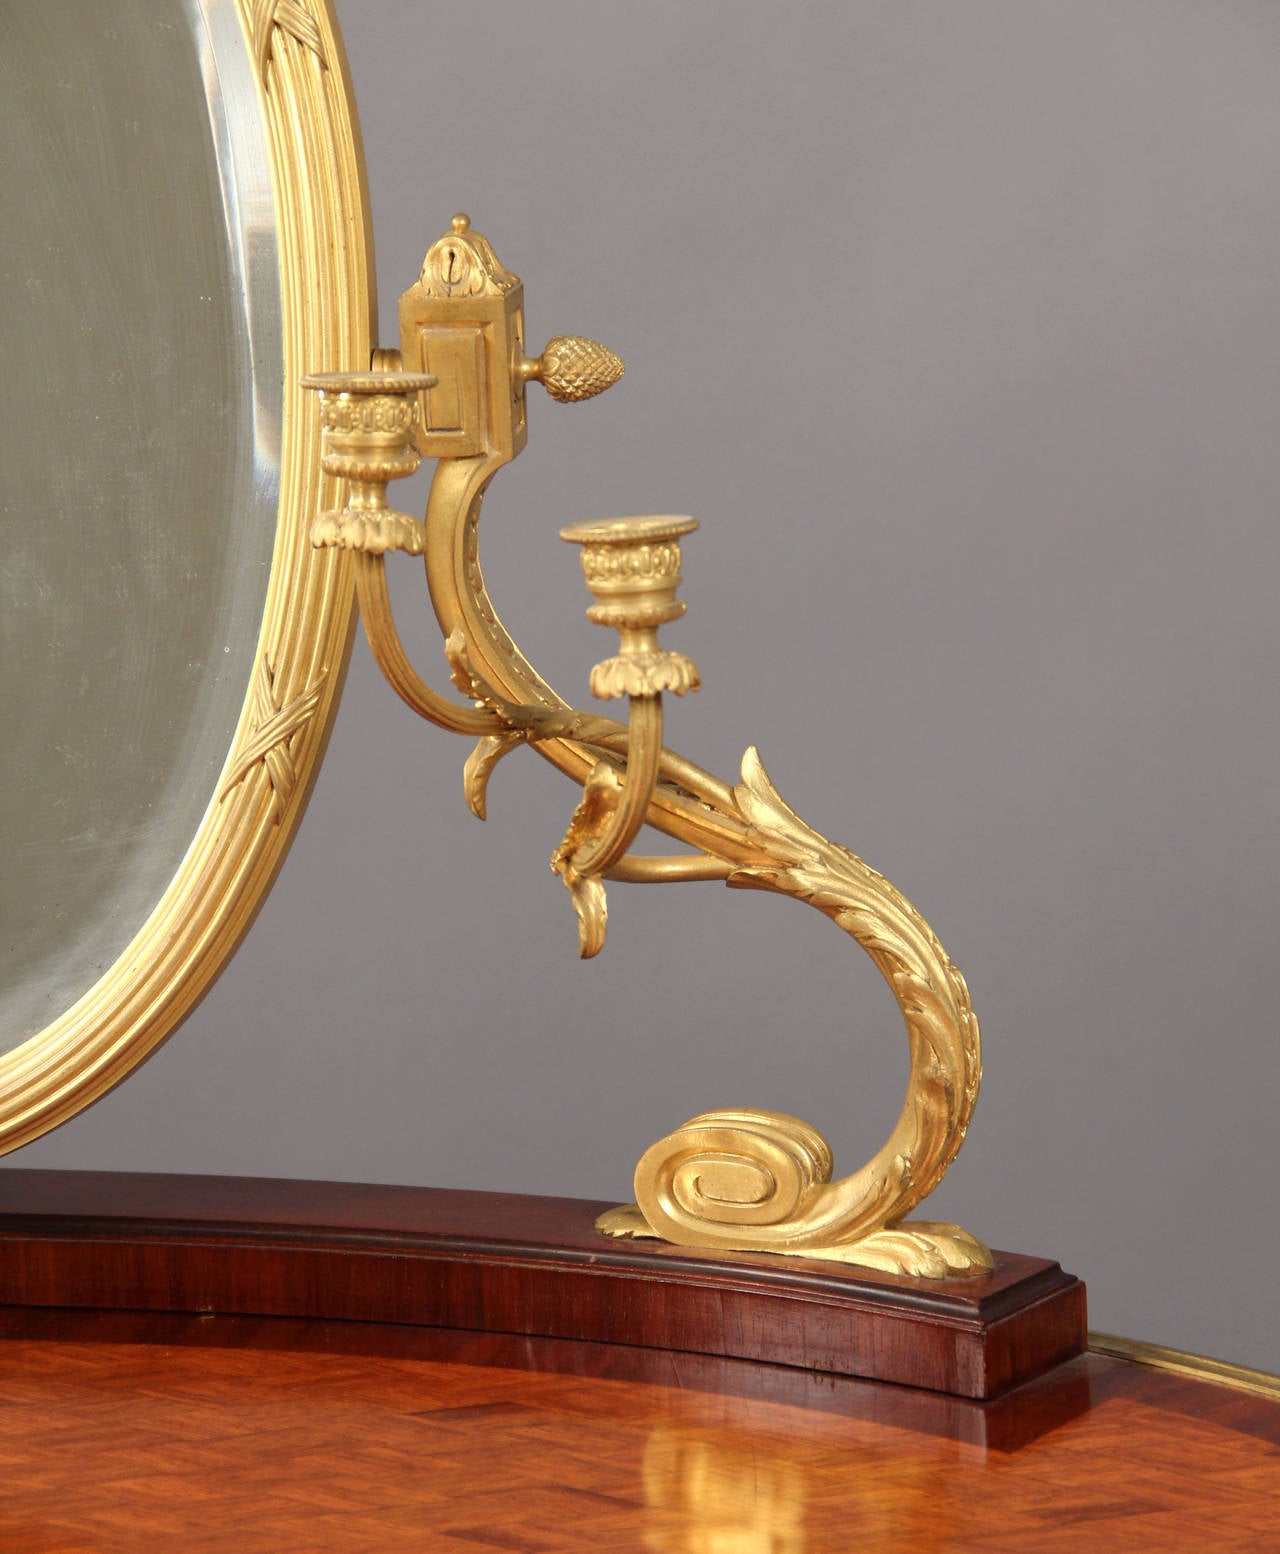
[288,56]
[455,391]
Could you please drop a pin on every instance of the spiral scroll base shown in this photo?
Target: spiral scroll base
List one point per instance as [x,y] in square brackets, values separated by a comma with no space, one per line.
[917,1248]
[760,1181]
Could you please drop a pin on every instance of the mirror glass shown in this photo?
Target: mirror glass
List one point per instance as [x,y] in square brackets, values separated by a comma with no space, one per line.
[142,392]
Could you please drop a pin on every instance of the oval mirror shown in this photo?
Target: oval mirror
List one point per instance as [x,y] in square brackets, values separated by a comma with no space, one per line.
[183,233]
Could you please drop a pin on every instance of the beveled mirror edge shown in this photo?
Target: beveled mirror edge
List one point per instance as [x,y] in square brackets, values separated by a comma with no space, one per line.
[329,320]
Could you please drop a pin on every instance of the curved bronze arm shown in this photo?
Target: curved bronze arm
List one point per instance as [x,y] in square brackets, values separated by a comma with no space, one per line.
[391,658]
[600,854]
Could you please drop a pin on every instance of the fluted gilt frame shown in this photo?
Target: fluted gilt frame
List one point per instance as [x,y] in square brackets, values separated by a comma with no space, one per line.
[326,266]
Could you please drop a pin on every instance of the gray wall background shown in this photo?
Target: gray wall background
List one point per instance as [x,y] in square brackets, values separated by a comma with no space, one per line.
[956,326]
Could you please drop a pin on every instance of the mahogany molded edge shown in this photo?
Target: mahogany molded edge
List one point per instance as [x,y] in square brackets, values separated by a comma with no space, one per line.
[506,1263]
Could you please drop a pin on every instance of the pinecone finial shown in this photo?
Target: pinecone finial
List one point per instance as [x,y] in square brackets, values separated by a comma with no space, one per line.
[573,368]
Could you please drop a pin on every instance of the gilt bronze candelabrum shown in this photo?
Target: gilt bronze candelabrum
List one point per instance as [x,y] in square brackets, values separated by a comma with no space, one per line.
[455,391]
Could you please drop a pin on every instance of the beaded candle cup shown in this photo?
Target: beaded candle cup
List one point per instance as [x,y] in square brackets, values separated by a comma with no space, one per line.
[367,421]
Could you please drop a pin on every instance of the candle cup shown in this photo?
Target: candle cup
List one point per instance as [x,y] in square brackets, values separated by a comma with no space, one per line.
[632,567]
[367,421]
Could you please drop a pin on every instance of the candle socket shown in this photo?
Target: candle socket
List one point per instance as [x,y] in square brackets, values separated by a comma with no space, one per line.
[367,422]
[632,567]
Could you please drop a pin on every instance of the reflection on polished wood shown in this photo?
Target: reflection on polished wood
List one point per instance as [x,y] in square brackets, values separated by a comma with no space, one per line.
[127,1431]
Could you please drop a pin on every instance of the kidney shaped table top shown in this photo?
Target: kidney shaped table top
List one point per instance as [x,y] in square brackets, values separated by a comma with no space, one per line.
[180,1429]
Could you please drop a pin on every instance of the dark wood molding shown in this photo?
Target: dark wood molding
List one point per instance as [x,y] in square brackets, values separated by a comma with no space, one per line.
[504,1263]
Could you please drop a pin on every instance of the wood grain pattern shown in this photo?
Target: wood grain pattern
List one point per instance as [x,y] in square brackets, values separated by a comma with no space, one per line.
[505,1263]
[1005,1424]
[270,1435]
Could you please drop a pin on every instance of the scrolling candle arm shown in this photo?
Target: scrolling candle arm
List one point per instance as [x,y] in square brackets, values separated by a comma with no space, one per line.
[632,566]
[734,1180]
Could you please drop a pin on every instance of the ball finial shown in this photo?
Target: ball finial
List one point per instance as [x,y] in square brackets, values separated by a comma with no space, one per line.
[461,222]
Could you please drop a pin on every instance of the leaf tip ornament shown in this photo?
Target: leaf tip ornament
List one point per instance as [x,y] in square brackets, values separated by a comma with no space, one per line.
[592,907]
[589,903]
[480,764]
[588,822]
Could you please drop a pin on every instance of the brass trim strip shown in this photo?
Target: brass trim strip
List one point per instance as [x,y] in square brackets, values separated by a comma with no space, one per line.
[1197,1366]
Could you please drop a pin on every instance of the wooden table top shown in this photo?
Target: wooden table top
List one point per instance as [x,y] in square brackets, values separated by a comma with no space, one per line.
[402,1368]
[156,1431]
